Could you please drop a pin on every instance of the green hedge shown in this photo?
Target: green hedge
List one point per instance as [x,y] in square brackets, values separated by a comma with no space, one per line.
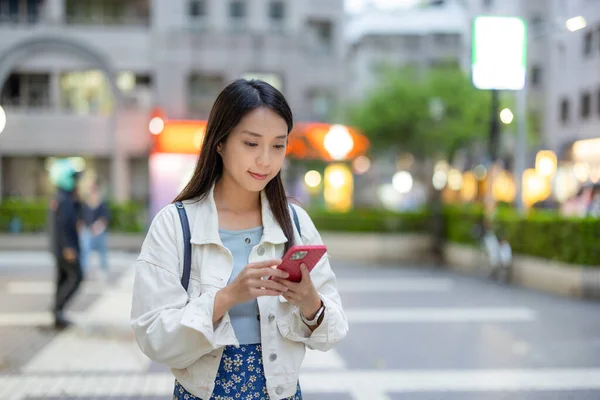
[371,221]
[32,216]
[29,215]
[540,234]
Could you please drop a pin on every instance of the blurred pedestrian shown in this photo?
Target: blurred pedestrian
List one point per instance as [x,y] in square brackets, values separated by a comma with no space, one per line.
[594,203]
[213,335]
[65,213]
[93,235]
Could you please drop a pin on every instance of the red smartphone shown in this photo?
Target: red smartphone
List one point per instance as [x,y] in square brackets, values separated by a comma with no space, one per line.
[308,255]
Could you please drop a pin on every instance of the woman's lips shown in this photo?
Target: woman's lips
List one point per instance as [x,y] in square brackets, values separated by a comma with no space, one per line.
[260,177]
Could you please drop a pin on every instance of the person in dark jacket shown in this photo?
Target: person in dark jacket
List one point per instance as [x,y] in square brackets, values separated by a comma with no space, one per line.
[65,212]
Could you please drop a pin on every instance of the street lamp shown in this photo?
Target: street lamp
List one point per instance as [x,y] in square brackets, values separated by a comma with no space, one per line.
[576,23]
[338,142]
[506,116]
[2,119]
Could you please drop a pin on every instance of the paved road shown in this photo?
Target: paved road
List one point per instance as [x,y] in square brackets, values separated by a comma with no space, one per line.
[416,333]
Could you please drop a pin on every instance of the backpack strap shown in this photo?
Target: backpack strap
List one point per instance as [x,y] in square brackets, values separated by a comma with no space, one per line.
[187,245]
[296,220]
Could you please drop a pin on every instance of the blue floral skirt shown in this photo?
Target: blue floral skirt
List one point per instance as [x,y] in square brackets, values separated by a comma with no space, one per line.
[240,377]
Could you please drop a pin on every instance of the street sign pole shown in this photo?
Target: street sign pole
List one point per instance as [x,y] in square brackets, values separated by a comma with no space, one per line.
[499,62]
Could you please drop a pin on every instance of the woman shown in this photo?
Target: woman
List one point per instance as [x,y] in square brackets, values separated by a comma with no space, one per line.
[234,333]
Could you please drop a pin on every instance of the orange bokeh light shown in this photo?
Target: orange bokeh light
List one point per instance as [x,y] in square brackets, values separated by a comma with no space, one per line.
[183,137]
[306,141]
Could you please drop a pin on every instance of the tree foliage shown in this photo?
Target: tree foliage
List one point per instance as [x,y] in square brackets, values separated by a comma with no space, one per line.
[397,114]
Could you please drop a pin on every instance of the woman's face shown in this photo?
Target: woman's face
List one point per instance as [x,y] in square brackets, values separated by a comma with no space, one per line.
[254,151]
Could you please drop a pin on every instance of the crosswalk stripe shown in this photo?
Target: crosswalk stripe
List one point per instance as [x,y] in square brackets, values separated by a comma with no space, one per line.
[344,286]
[395,285]
[104,312]
[442,314]
[362,384]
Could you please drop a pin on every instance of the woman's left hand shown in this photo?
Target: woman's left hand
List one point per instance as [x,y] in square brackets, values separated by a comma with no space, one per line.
[303,294]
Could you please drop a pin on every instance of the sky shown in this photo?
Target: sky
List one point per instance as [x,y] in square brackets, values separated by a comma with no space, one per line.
[356,6]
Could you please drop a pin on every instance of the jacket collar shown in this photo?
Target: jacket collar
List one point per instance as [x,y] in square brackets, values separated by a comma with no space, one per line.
[206,222]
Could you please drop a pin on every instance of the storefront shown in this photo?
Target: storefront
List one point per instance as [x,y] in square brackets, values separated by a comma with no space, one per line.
[177,143]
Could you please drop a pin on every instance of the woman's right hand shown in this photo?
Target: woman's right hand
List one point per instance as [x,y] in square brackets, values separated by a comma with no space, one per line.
[253,281]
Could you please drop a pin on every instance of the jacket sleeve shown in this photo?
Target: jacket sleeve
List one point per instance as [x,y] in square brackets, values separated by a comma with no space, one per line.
[169,327]
[334,326]
[66,222]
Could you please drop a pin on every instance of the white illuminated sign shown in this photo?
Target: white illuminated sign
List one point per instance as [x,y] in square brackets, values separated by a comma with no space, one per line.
[499,58]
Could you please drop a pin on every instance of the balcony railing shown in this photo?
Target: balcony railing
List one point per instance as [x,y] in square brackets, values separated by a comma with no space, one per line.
[106,20]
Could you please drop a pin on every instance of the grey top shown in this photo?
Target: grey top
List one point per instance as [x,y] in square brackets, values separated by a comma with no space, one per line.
[244,317]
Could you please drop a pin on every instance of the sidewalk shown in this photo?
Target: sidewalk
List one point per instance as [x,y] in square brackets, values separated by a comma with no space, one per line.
[117,241]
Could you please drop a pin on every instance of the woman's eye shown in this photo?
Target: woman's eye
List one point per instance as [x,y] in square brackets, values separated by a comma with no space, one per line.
[249,144]
[280,146]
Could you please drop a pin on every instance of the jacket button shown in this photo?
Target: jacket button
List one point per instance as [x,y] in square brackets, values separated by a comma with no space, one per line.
[279,390]
[260,251]
[271,318]
[247,240]
[273,357]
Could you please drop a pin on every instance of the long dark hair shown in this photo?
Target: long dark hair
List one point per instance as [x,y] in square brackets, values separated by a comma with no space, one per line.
[232,104]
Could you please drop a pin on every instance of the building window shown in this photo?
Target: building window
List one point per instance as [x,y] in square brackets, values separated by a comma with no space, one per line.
[536,75]
[237,9]
[487,4]
[20,11]
[136,88]
[107,12]
[202,92]
[536,25]
[586,105]
[320,36]
[587,43]
[277,10]
[237,14]
[272,79]
[321,105]
[277,15]
[26,90]
[86,92]
[197,8]
[564,111]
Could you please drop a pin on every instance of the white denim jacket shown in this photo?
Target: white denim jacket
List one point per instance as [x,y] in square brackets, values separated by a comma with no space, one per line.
[175,328]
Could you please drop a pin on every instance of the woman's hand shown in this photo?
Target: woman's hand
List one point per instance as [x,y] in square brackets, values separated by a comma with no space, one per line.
[303,294]
[253,282]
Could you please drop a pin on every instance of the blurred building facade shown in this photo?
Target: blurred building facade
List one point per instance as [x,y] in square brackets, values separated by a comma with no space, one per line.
[80,77]
[573,105]
[419,37]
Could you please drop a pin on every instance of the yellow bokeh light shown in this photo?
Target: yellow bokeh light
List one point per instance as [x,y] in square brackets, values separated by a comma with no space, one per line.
[535,187]
[546,163]
[469,186]
[503,188]
[339,186]
[312,179]
[454,179]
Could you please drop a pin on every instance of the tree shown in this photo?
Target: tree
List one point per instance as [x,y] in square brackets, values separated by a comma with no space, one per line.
[397,115]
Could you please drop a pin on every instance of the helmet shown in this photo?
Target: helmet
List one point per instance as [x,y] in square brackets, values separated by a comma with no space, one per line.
[63,175]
